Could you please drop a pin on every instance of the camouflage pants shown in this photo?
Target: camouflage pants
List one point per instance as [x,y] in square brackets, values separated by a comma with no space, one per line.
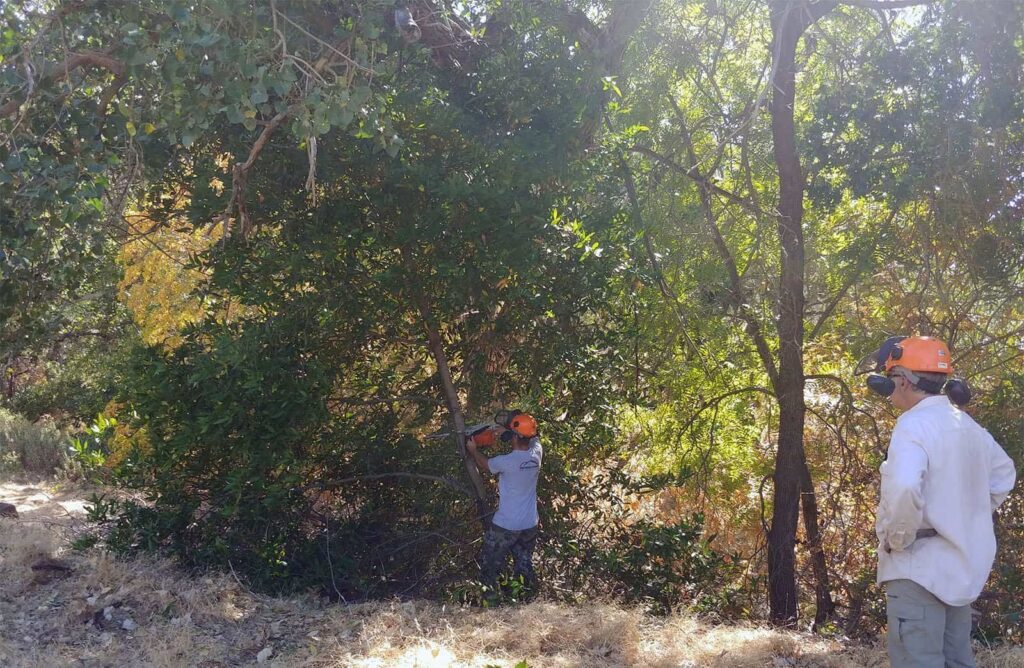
[498,543]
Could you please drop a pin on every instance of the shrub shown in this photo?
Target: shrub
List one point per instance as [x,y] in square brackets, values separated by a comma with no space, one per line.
[37,447]
[600,544]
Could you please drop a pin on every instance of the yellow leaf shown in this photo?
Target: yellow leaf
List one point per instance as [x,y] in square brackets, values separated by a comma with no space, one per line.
[130,127]
[149,128]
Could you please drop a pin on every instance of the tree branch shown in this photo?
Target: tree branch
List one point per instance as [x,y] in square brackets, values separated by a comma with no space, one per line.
[714,401]
[696,177]
[240,174]
[738,293]
[61,71]
[659,276]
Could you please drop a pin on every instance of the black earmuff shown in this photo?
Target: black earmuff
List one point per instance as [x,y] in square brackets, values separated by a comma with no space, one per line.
[881,385]
[958,391]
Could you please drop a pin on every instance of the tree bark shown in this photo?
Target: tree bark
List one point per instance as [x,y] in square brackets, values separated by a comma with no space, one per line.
[789,19]
[824,606]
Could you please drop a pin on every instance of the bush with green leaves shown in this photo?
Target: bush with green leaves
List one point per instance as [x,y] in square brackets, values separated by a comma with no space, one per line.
[594,543]
[88,450]
[286,436]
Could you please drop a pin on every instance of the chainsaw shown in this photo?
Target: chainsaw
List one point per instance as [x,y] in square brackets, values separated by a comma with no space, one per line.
[485,434]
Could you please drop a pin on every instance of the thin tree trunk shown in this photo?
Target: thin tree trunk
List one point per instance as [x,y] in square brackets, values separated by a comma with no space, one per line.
[455,410]
[825,607]
[787,26]
[451,395]
[454,407]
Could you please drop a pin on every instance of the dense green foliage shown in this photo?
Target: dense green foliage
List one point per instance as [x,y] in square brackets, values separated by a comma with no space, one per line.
[574,211]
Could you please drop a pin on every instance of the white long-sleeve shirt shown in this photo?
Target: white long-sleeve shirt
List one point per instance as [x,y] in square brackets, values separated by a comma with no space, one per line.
[947,473]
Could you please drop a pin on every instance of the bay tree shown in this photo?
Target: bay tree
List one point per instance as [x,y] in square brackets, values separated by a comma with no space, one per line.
[395,194]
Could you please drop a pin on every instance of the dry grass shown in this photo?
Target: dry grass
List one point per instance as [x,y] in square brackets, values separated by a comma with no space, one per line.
[147,612]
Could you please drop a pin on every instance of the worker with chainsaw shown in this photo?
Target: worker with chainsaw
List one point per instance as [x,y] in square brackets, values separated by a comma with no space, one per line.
[942,479]
[513,528]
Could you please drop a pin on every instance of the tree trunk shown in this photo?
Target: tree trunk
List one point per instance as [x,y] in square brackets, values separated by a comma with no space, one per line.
[455,409]
[451,396]
[788,23]
[825,607]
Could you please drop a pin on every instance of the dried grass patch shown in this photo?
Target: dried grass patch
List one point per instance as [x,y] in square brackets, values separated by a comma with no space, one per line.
[212,621]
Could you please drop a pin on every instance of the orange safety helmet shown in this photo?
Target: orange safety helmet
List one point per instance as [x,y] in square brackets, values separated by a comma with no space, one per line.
[524,425]
[920,353]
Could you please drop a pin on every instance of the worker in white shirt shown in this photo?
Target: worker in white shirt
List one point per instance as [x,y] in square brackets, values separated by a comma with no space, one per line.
[942,479]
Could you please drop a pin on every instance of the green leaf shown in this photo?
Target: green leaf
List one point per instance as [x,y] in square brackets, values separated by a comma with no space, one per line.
[259,95]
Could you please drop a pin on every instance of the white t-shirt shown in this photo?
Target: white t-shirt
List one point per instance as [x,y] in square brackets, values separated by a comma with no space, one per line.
[517,487]
[944,472]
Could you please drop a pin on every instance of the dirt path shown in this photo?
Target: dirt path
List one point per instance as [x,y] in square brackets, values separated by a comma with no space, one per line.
[104,611]
[43,501]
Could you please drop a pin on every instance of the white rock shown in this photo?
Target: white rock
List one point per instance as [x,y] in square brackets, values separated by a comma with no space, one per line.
[264,654]
[129,624]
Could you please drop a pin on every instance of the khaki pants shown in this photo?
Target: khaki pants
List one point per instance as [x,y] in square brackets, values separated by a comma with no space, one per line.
[924,632]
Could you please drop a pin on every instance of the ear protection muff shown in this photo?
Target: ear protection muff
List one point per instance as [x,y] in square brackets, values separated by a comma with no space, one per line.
[881,385]
[958,391]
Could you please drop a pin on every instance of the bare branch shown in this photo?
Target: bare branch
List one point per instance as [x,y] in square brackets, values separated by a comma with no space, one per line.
[715,401]
[740,301]
[666,289]
[410,398]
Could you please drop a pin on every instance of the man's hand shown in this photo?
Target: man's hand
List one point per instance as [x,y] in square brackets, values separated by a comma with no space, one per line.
[478,459]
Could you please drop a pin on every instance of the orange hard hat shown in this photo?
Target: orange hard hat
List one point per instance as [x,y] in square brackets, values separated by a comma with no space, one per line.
[920,353]
[524,425]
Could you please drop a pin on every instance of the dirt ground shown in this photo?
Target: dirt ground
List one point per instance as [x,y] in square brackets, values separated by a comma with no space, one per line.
[86,608]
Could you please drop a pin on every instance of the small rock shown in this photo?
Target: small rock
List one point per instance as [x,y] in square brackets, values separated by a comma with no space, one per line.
[129,624]
[264,654]
[8,510]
